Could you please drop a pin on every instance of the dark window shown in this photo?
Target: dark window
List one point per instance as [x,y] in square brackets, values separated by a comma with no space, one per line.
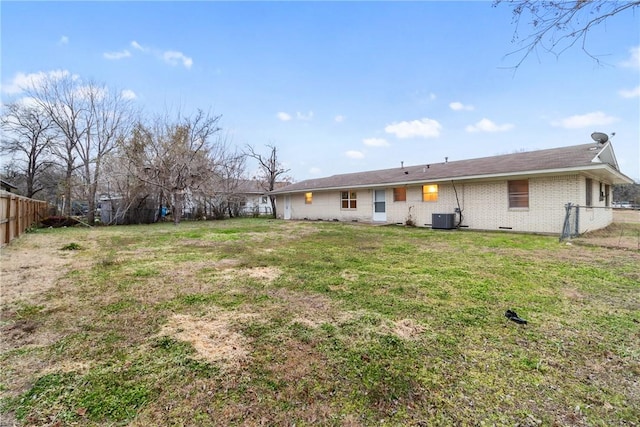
[589,192]
[519,193]
[400,194]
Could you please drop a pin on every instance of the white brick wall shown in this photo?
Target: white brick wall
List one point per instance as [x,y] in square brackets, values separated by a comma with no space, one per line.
[485,205]
[325,205]
[598,215]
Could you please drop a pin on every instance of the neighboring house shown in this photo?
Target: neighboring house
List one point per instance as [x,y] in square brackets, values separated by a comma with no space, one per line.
[254,199]
[525,192]
[7,186]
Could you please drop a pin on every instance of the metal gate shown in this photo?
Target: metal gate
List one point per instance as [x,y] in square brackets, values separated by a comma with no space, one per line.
[571,221]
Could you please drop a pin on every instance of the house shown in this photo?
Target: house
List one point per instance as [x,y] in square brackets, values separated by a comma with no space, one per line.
[254,199]
[525,192]
[7,186]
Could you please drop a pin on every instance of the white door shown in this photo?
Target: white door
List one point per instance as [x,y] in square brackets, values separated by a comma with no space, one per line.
[287,207]
[379,206]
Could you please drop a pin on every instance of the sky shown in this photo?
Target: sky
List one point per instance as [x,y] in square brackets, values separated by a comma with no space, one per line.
[342,87]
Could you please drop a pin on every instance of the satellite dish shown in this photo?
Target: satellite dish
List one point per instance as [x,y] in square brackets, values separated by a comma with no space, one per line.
[600,137]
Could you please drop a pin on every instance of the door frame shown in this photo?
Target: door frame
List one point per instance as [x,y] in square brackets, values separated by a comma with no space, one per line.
[380,216]
[287,207]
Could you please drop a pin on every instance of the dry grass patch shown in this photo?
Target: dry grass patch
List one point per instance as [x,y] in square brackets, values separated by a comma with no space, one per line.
[407,329]
[214,338]
[268,274]
[572,294]
[34,264]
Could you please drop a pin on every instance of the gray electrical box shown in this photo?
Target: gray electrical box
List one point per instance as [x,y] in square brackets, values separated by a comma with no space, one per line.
[443,221]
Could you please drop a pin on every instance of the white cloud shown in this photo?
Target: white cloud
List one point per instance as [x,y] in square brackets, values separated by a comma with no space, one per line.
[173,57]
[22,81]
[128,94]
[375,142]
[301,116]
[432,96]
[631,93]
[63,40]
[354,154]
[424,128]
[486,125]
[634,58]
[285,117]
[339,119]
[597,118]
[137,46]
[117,55]
[315,171]
[96,91]
[459,106]
[29,102]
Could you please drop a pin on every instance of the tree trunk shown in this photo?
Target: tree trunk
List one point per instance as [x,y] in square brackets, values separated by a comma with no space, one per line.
[272,199]
[91,215]
[67,189]
[177,207]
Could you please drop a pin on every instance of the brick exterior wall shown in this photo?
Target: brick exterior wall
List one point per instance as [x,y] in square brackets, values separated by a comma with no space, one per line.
[484,205]
[598,215]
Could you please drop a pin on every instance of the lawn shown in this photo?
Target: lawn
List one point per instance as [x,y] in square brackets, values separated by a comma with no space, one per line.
[265,322]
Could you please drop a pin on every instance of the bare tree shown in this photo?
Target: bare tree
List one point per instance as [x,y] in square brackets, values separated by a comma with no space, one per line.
[27,134]
[108,117]
[627,193]
[65,106]
[270,171]
[222,189]
[175,156]
[558,25]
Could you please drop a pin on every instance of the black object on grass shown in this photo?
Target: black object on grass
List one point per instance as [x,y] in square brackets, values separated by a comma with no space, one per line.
[513,316]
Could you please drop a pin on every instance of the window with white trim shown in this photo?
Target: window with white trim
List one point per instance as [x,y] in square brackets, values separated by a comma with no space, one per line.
[348,200]
[430,193]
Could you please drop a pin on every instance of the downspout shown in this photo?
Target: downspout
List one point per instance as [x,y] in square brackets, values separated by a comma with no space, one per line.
[458,202]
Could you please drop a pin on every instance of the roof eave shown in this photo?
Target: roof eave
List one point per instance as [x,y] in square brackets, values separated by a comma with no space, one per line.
[618,178]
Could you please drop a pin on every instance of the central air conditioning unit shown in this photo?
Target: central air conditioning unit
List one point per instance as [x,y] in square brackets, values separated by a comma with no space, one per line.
[443,221]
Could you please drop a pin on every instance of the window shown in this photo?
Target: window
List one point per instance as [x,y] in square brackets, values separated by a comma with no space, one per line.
[601,192]
[519,193]
[589,192]
[400,194]
[607,188]
[308,198]
[264,199]
[348,199]
[430,193]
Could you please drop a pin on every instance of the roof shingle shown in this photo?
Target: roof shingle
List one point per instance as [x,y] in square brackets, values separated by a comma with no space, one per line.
[572,157]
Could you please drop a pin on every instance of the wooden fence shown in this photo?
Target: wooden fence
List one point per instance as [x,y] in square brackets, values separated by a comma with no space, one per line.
[17,214]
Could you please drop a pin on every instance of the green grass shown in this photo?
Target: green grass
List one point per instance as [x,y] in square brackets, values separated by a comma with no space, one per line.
[326,323]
